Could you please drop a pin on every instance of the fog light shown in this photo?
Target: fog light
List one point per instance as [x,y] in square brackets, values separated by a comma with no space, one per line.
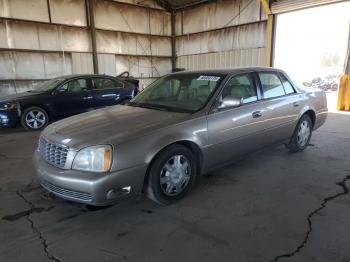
[113,193]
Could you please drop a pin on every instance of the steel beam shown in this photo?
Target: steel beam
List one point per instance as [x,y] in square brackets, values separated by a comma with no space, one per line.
[90,11]
[173,41]
[270,32]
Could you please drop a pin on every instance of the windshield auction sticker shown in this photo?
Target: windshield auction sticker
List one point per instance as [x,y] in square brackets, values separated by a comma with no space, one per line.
[209,78]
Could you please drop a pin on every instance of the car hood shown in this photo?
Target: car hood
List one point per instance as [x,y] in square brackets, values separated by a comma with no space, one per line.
[18,97]
[110,125]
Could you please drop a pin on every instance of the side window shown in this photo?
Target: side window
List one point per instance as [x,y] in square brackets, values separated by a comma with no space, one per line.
[286,84]
[241,87]
[74,86]
[271,85]
[105,83]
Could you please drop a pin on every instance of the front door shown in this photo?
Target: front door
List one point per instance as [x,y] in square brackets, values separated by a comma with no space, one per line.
[236,131]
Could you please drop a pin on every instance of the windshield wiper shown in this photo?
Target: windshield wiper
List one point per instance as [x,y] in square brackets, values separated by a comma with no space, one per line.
[160,107]
[153,107]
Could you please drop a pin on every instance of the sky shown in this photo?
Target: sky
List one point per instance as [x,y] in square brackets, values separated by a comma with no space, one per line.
[302,37]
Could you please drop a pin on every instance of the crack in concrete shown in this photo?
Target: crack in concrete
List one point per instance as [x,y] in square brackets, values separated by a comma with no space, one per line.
[36,230]
[343,185]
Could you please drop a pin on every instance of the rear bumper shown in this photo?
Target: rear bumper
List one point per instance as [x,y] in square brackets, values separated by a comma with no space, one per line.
[321,118]
[96,189]
[9,118]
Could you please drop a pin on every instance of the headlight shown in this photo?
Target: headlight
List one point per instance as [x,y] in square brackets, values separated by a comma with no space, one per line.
[93,159]
[8,106]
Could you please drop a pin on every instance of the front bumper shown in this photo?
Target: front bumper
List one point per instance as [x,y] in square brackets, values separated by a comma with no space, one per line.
[9,118]
[96,189]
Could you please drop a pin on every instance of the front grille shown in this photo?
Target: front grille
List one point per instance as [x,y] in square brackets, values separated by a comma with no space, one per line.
[66,192]
[54,154]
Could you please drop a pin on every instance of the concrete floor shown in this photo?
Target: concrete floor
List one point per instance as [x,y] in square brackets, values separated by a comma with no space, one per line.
[271,206]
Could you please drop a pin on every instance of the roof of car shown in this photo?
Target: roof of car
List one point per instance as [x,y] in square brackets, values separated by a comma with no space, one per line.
[82,75]
[227,71]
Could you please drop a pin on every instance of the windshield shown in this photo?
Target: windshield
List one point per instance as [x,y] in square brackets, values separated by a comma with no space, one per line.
[179,92]
[48,85]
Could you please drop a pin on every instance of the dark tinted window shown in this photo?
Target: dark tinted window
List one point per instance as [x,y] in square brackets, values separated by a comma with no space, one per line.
[287,85]
[271,85]
[73,86]
[48,85]
[105,83]
[241,87]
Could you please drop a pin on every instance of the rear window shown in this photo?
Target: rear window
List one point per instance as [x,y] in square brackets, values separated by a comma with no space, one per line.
[287,85]
[271,85]
[105,83]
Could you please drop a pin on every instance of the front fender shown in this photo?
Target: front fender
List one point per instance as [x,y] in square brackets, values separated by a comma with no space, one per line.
[142,150]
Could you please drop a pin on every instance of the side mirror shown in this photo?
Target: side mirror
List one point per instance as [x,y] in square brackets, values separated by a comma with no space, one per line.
[230,102]
[59,90]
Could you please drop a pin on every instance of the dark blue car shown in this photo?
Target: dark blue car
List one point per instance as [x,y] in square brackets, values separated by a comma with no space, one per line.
[62,97]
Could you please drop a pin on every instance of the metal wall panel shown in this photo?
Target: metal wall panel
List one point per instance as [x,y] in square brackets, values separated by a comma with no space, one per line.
[241,37]
[34,36]
[82,63]
[131,19]
[218,14]
[7,65]
[131,44]
[106,64]
[145,82]
[70,12]
[35,10]
[160,23]
[229,59]
[14,87]
[27,65]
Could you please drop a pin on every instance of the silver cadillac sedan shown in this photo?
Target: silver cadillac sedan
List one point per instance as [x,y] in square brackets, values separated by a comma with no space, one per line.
[183,125]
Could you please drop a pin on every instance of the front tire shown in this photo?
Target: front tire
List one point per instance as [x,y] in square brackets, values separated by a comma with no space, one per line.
[171,175]
[34,118]
[302,135]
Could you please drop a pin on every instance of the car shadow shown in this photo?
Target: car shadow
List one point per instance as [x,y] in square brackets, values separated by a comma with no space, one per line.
[14,130]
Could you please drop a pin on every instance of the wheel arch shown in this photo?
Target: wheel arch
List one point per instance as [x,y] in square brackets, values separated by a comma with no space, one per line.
[42,106]
[311,113]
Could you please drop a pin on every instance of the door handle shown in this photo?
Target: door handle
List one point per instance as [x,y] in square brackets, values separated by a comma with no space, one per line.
[109,95]
[295,104]
[257,114]
[87,97]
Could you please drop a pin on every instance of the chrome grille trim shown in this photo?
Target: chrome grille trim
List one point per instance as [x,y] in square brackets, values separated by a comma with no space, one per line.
[54,154]
[81,196]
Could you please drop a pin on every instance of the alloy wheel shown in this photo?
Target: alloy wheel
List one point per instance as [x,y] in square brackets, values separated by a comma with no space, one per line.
[303,133]
[175,175]
[35,119]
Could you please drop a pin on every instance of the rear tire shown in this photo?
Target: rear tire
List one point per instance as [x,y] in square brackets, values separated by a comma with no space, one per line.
[34,118]
[302,135]
[171,175]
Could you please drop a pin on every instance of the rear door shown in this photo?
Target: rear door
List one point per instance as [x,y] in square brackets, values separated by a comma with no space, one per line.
[234,132]
[106,91]
[72,97]
[282,105]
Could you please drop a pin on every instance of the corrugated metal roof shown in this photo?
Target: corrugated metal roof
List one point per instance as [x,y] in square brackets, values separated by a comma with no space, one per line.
[175,4]
[281,6]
